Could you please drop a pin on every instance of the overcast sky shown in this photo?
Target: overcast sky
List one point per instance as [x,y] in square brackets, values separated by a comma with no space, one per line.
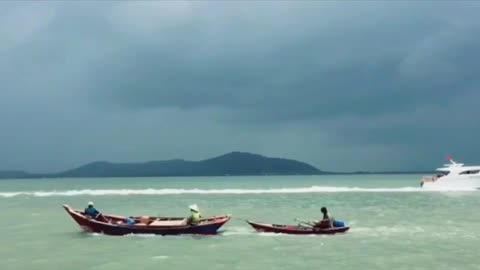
[341,85]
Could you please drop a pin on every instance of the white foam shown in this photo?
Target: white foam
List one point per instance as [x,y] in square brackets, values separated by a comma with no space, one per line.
[161,257]
[174,191]
[237,231]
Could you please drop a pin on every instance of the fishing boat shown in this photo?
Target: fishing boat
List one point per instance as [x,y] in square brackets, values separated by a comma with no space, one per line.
[119,225]
[453,176]
[297,229]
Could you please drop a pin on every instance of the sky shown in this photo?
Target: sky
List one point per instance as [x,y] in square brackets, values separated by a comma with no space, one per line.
[344,86]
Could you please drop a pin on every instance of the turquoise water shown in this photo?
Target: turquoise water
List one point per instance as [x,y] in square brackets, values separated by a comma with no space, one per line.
[395,224]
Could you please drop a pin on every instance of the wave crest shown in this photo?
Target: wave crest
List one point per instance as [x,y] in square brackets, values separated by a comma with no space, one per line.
[174,191]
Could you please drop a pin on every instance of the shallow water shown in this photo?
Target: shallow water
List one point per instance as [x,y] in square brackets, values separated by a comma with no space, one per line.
[394,224]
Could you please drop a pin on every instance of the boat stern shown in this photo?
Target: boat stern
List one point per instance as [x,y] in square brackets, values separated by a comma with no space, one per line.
[427,180]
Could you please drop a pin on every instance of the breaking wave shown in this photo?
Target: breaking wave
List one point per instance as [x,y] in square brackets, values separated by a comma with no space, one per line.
[159,192]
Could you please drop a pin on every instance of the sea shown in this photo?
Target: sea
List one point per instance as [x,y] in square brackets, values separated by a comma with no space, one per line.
[394,223]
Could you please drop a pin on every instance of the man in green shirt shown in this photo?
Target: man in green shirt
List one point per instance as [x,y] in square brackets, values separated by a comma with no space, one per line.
[195,215]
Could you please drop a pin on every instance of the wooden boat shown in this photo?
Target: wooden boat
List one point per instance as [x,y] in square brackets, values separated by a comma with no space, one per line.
[117,225]
[295,229]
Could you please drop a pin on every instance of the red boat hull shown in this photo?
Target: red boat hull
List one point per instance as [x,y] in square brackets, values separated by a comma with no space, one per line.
[293,229]
[116,225]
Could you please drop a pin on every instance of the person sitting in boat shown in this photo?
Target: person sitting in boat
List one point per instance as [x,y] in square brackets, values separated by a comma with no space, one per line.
[90,211]
[130,220]
[195,215]
[326,221]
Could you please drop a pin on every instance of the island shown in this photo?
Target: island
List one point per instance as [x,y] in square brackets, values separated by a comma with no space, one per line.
[231,164]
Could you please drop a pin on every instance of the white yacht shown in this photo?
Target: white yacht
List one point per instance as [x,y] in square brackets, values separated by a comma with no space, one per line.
[453,176]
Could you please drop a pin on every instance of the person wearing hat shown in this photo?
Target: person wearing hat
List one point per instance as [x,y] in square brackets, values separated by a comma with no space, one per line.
[195,215]
[90,211]
[326,221]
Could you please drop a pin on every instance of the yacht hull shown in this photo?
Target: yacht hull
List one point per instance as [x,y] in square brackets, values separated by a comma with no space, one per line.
[449,183]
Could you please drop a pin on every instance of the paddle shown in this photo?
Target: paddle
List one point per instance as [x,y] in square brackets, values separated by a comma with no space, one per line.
[305,222]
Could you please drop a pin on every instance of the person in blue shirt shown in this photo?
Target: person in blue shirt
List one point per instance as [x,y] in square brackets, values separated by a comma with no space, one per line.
[130,221]
[90,211]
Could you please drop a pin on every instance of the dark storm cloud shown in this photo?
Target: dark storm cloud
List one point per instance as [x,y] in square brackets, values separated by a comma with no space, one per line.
[312,65]
[326,82]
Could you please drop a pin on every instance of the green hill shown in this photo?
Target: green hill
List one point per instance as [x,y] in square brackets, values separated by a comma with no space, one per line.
[235,163]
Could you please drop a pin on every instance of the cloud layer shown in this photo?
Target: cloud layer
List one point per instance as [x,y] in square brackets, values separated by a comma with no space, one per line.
[344,86]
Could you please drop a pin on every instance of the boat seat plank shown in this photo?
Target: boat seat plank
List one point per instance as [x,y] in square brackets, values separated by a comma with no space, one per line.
[169,222]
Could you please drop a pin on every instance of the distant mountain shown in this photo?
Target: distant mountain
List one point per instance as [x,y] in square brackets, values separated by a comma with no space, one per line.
[235,163]
[15,174]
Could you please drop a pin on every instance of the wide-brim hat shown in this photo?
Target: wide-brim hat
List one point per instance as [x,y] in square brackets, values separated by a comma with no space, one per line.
[194,207]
